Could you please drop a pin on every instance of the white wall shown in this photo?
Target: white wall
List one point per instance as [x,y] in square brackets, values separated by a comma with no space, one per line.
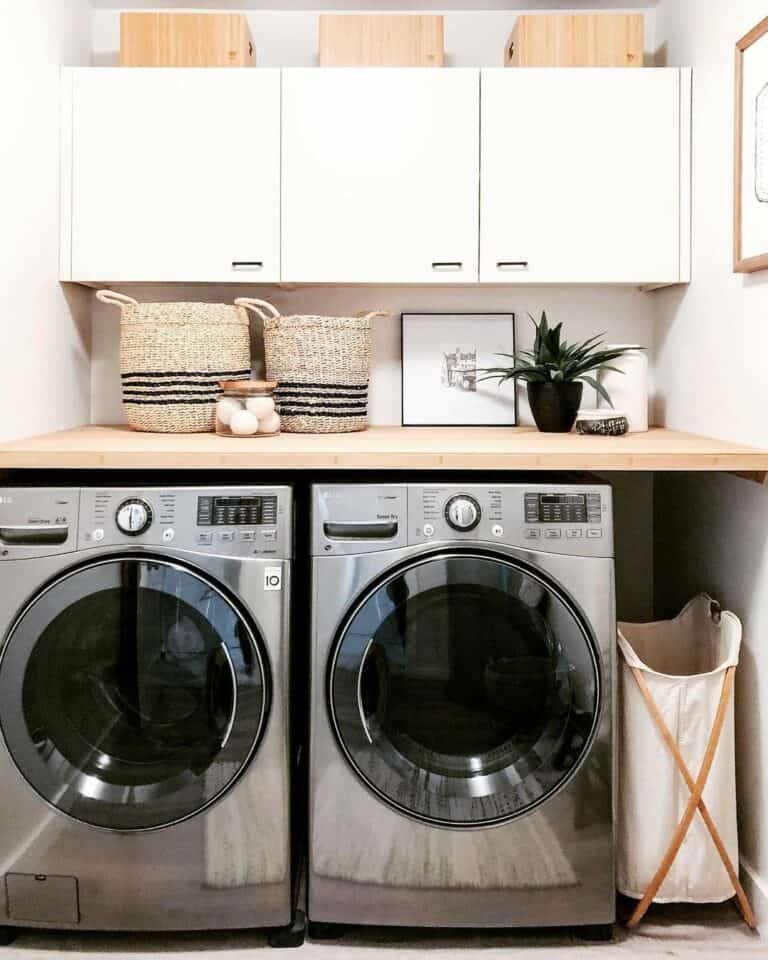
[45,328]
[711,367]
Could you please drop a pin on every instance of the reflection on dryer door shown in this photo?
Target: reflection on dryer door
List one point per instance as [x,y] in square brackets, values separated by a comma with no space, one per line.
[465,689]
[128,688]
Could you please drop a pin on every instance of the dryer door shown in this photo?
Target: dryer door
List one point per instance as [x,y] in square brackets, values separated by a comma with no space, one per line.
[464,688]
[133,692]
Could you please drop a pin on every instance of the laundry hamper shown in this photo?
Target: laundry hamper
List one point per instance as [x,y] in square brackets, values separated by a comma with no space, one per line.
[172,357]
[676,718]
[322,366]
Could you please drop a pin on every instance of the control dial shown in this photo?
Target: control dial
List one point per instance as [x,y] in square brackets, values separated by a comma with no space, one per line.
[133,517]
[462,512]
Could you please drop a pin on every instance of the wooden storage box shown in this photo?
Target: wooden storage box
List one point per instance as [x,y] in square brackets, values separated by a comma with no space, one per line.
[381,40]
[576,40]
[185,40]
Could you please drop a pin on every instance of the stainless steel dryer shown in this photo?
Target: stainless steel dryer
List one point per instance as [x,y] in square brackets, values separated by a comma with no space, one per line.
[144,771]
[461,717]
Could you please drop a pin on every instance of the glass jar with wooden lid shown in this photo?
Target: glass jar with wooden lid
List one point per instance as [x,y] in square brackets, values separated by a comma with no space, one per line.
[246,408]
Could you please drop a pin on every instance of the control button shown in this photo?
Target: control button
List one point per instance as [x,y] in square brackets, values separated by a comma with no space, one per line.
[246,536]
[574,534]
[168,535]
[269,534]
[133,517]
[226,536]
[497,530]
[533,534]
[429,530]
[462,513]
[204,539]
[97,535]
[553,534]
[594,534]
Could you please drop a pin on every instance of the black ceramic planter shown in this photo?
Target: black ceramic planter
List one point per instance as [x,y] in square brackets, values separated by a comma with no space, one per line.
[554,405]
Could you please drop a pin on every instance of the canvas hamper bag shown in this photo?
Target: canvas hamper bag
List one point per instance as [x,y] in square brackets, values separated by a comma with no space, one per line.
[172,357]
[683,669]
[322,366]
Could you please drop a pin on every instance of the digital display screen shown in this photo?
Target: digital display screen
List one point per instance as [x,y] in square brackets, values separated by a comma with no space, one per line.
[236,511]
[562,508]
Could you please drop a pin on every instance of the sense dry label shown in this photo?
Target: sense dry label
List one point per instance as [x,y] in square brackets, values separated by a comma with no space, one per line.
[273,578]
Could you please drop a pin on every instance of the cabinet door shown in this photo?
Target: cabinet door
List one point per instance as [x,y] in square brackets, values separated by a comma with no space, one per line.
[581,174]
[175,175]
[380,175]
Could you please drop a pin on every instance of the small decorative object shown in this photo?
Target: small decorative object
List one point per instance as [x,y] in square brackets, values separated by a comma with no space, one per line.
[750,200]
[626,382]
[555,372]
[601,423]
[247,409]
[322,365]
[442,353]
[172,357]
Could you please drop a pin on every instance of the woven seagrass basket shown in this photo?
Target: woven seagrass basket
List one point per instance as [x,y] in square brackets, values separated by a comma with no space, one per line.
[172,357]
[322,366]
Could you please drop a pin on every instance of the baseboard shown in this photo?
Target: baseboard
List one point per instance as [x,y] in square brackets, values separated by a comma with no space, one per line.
[756,889]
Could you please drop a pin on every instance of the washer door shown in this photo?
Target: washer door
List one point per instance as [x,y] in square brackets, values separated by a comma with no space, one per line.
[464,689]
[132,692]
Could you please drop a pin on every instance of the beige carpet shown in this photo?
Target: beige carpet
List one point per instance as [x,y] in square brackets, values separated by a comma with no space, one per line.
[683,932]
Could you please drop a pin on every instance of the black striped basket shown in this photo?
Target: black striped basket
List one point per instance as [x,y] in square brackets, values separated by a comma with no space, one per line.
[322,366]
[172,357]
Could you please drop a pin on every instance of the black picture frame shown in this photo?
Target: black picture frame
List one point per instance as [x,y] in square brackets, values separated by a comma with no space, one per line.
[407,316]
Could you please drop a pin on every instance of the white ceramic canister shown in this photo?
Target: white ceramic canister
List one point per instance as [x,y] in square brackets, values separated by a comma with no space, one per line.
[629,389]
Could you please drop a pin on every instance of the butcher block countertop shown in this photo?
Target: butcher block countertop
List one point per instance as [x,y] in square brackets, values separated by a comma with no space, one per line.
[383,448]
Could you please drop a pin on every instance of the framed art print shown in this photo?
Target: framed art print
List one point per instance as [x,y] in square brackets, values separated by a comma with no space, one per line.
[750,200]
[442,353]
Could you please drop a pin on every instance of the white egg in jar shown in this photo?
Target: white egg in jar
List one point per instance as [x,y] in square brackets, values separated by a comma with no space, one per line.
[270,423]
[244,424]
[225,408]
[260,406]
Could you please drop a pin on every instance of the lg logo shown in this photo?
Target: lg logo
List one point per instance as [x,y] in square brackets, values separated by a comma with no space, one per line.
[273,578]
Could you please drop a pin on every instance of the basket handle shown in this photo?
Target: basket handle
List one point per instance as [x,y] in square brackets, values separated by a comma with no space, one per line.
[116,299]
[255,307]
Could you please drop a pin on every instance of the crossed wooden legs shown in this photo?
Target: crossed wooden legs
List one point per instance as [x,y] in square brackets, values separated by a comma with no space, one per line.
[696,801]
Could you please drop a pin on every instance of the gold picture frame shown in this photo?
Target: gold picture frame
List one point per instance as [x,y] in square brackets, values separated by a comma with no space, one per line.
[745,258]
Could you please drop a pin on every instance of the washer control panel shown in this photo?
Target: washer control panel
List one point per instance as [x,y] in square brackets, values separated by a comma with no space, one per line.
[37,522]
[226,521]
[463,512]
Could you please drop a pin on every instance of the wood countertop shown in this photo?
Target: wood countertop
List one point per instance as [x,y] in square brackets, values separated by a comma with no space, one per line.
[383,448]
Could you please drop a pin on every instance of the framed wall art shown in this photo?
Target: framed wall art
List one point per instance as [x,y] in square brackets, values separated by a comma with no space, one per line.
[750,201]
[441,354]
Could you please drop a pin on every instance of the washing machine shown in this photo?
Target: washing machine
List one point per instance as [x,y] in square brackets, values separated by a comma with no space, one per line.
[144,757]
[461,732]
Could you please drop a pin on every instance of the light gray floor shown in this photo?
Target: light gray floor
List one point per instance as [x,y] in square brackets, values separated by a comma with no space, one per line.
[668,933]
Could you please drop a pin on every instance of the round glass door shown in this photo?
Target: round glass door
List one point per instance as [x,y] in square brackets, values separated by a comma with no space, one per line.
[464,689]
[132,692]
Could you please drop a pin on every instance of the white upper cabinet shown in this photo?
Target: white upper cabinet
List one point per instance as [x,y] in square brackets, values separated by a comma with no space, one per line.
[171,175]
[380,175]
[584,175]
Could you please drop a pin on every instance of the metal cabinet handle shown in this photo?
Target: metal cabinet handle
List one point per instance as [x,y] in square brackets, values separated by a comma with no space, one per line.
[512,265]
[247,264]
[361,711]
[446,265]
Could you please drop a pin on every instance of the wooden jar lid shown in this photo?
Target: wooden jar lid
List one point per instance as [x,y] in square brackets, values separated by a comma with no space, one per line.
[248,387]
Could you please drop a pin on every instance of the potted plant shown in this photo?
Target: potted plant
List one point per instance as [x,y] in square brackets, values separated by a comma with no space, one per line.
[555,372]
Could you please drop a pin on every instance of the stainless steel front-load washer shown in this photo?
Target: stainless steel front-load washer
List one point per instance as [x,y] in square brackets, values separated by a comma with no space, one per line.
[461,717]
[144,766]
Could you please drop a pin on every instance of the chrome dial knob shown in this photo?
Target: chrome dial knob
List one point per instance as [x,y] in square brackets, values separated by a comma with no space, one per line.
[133,517]
[462,512]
